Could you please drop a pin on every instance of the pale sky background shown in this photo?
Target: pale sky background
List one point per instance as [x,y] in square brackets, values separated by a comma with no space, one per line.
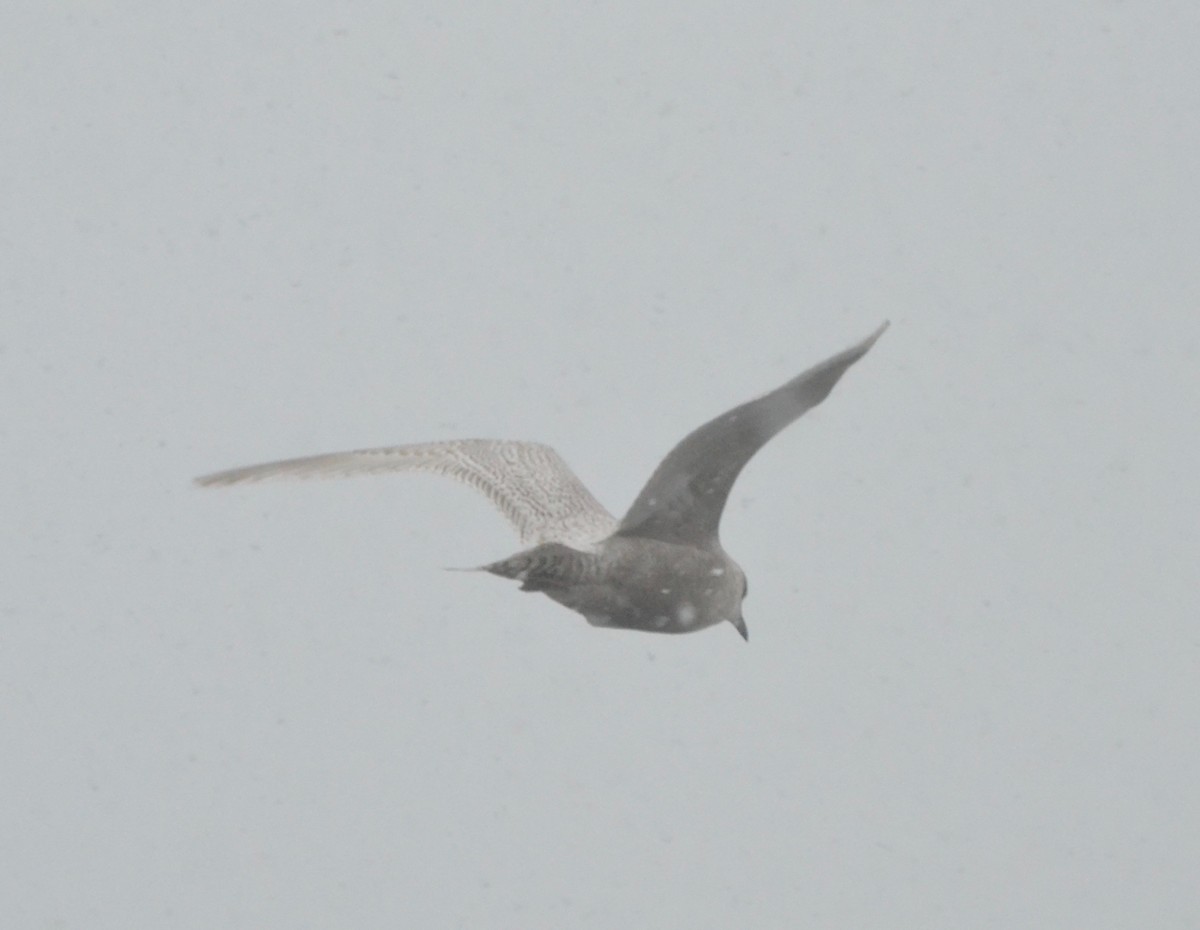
[236,232]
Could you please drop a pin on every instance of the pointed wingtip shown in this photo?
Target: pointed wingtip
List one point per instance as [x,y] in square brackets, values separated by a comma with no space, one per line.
[874,337]
[219,479]
[859,349]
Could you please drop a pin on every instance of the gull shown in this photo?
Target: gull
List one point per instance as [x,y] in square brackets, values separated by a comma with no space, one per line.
[661,568]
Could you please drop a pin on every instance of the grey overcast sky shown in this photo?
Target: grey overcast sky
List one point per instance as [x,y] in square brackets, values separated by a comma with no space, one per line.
[235,232]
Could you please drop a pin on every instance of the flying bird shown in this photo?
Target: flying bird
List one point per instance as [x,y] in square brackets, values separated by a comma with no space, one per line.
[661,568]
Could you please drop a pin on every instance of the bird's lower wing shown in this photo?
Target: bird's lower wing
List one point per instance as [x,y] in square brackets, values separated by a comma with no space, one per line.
[683,500]
[529,482]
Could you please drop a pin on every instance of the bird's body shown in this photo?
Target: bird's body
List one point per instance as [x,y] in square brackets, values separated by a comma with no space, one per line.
[659,569]
[634,584]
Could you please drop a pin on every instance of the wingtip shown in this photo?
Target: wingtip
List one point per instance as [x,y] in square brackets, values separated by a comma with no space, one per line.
[223,479]
[215,480]
[860,349]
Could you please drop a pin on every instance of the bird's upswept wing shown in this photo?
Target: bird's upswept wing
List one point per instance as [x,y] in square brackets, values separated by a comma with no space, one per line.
[529,482]
[683,500]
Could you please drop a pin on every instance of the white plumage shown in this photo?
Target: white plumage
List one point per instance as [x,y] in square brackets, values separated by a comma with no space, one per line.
[527,481]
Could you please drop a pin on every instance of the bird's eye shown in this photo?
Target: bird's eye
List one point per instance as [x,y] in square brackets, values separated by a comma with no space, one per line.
[745,587]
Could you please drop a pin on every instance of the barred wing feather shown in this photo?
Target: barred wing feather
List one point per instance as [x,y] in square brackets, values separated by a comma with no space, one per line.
[527,481]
